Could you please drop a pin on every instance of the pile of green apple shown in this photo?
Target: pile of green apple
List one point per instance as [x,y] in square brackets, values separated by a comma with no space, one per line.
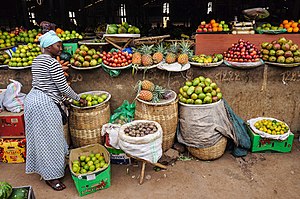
[67,35]
[85,57]
[87,164]
[201,90]
[268,26]
[4,58]
[24,55]
[92,100]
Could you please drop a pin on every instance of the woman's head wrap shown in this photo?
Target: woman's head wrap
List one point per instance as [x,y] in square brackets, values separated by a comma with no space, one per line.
[48,39]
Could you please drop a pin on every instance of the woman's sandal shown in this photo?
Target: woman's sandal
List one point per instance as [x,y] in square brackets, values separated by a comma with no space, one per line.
[57,185]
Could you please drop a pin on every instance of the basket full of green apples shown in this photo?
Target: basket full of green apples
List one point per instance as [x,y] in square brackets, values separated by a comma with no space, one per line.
[93,98]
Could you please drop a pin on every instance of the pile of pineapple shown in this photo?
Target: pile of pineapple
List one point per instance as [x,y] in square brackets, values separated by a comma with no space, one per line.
[148,91]
[150,55]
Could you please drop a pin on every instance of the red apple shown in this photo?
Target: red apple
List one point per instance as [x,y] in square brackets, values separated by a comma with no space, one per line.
[206,25]
[202,26]
[204,29]
[199,30]
[209,30]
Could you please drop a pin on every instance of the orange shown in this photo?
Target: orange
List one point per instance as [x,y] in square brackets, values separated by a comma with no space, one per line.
[215,29]
[285,21]
[290,23]
[296,29]
[281,25]
[220,29]
[286,26]
[212,21]
[215,25]
[294,24]
[290,29]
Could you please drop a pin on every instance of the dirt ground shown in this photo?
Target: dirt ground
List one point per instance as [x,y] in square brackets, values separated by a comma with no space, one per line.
[258,175]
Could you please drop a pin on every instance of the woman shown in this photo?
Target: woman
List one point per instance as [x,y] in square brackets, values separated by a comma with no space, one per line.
[46,145]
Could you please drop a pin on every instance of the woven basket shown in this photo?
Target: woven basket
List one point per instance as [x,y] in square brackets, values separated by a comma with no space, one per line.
[166,115]
[86,124]
[209,153]
[67,134]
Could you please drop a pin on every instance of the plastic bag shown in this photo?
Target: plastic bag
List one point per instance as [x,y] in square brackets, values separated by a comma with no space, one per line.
[14,100]
[113,133]
[123,114]
[147,148]
[1,100]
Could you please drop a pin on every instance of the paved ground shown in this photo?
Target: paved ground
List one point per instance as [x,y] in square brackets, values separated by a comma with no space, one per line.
[259,175]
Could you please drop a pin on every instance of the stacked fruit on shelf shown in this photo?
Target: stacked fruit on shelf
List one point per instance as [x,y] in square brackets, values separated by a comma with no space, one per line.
[92,100]
[7,39]
[272,127]
[85,57]
[148,55]
[4,58]
[268,26]
[89,163]
[67,35]
[180,53]
[201,90]
[29,36]
[242,51]
[291,26]
[123,28]
[281,51]
[213,26]
[148,91]
[24,55]
[206,59]
[116,58]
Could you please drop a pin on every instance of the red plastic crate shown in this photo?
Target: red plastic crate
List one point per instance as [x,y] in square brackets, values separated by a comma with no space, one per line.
[12,125]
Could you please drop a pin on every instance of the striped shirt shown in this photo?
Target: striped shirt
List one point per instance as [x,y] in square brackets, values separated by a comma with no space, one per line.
[48,76]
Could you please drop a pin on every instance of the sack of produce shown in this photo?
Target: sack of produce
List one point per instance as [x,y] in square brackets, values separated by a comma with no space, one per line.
[142,139]
[271,128]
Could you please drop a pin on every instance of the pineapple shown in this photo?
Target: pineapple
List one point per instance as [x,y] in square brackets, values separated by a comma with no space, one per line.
[147,85]
[183,57]
[145,95]
[136,57]
[146,57]
[158,56]
[171,56]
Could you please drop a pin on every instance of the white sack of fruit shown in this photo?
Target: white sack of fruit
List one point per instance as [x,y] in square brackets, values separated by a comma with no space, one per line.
[142,139]
[271,128]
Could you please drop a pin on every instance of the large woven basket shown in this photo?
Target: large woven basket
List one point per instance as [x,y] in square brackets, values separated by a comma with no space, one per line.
[166,115]
[67,134]
[86,124]
[209,153]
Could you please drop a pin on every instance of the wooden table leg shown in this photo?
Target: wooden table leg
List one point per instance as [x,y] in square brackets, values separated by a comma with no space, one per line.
[142,172]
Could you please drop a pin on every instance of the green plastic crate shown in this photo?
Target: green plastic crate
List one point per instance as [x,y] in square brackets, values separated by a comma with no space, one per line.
[265,144]
[70,47]
[91,183]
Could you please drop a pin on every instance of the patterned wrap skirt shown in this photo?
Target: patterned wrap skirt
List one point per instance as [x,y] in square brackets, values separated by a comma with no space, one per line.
[46,144]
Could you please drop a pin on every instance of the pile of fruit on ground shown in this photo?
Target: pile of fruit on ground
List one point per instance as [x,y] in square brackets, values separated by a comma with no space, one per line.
[88,164]
[200,91]
[281,51]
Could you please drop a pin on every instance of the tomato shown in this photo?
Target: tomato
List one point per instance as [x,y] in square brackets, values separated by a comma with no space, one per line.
[130,55]
[114,65]
[126,63]
[129,61]
[105,62]
[116,56]
[104,57]
[108,55]
[101,55]
[114,53]
[123,64]
[122,57]
[104,53]
[116,61]
[118,65]
[124,60]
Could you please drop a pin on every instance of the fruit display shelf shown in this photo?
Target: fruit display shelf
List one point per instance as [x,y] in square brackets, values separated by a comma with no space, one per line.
[283,65]
[147,67]
[19,68]
[244,65]
[117,68]
[174,67]
[207,65]
[85,68]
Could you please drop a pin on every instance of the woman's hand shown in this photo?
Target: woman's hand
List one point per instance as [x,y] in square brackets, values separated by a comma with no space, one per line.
[83,102]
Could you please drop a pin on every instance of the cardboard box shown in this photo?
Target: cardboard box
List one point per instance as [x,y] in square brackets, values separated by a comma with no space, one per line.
[12,125]
[96,180]
[13,150]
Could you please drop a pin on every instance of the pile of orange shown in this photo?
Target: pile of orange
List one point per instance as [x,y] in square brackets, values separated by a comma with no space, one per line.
[290,26]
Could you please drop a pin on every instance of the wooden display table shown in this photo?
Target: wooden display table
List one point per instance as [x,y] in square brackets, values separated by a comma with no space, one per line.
[218,43]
